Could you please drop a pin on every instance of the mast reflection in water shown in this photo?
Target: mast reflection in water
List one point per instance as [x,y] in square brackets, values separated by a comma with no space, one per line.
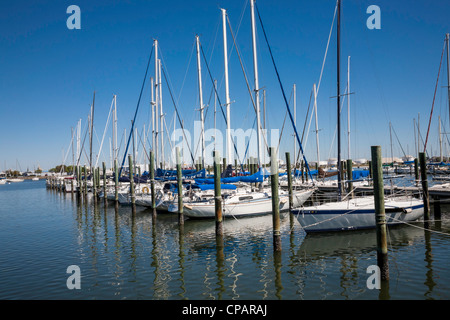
[126,255]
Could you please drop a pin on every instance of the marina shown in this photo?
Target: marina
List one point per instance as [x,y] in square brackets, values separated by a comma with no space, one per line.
[217,194]
[123,255]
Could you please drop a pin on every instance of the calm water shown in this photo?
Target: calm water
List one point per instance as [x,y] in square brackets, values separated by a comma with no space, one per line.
[128,256]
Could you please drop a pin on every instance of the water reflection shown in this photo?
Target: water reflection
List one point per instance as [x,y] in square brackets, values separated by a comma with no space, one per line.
[429,282]
[340,260]
[127,254]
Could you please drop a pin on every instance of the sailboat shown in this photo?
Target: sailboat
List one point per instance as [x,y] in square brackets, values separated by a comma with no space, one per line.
[356,213]
[239,199]
[244,200]
[244,203]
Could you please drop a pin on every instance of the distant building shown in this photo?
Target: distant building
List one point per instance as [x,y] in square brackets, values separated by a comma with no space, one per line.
[408,158]
[391,159]
[360,161]
[332,162]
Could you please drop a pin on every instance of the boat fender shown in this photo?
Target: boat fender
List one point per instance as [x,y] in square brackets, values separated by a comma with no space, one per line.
[187,207]
[407,210]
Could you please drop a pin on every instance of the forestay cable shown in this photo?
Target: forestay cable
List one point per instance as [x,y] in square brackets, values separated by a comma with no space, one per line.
[284,95]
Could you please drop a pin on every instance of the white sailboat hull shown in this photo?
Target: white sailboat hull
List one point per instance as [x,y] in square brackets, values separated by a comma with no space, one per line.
[254,207]
[357,214]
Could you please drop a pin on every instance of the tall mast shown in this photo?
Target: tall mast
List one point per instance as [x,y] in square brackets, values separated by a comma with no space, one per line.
[227,89]
[73,154]
[152,105]
[415,142]
[134,143]
[264,121]
[295,123]
[348,107]
[200,92]
[174,130]
[418,135]
[114,128]
[317,126]
[440,139]
[390,138]
[339,98]
[91,132]
[78,141]
[215,110]
[447,37]
[156,147]
[255,67]
[161,114]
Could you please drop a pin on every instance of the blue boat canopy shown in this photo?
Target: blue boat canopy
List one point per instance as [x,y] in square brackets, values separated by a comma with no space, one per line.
[256,177]
[358,174]
[439,164]
[211,186]
[186,174]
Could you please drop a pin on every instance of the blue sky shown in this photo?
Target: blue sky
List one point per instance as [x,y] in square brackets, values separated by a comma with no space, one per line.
[49,73]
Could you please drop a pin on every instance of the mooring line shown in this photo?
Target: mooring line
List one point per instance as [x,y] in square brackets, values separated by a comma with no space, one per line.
[425,229]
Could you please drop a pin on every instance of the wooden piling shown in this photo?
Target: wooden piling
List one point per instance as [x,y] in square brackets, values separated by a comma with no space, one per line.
[133,198]
[416,169]
[218,195]
[424,180]
[94,185]
[350,177]
[152,183]
[180,188]
[104,184]
[380,214]
[78,182]
[289,176]
[275,200]
[116,182]
[302,168]
[85,182]
[342,172]
[437,208]
[97,171]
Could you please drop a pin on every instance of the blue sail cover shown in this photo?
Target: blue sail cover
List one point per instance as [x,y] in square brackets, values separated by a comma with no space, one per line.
[298,173]
[172,173]
[256,177]
[186,174]
[439,164]
[174,188]
[136,179]
[358,174]
[211,186]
